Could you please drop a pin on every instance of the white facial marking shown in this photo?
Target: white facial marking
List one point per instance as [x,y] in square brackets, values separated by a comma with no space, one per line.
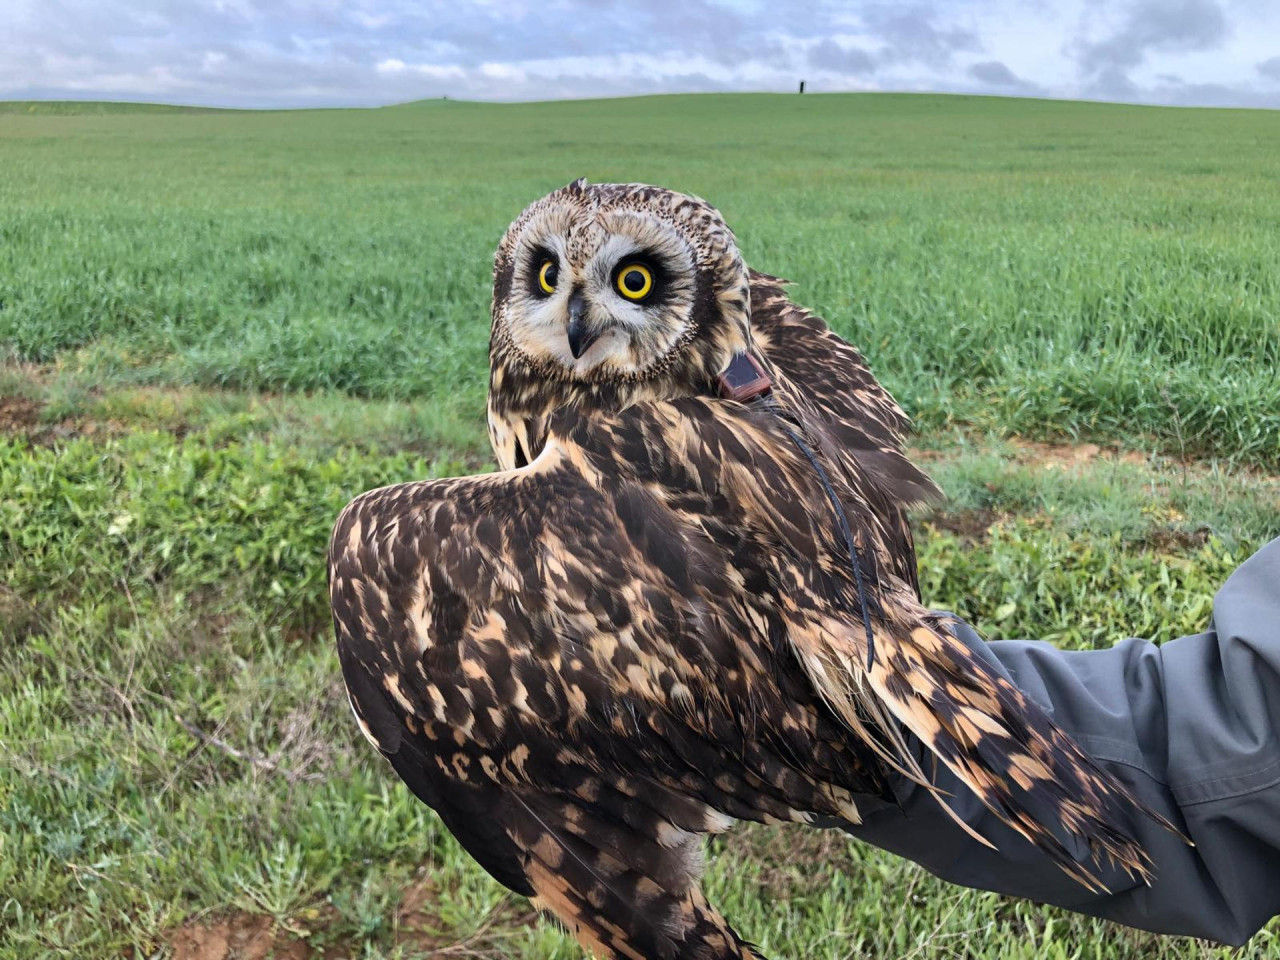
[632,335]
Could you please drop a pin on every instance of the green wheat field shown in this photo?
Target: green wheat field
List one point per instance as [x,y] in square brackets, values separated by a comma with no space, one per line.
[216,327]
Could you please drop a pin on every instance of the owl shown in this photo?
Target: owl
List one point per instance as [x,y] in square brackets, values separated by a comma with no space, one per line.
[686,598]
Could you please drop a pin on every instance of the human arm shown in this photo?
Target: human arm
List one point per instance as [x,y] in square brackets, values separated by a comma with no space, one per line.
[1191,728]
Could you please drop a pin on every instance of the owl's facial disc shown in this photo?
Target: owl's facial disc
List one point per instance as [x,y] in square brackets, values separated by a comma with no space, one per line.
[600,300]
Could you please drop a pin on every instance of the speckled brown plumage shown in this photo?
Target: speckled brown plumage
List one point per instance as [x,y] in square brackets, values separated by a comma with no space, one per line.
[646,625]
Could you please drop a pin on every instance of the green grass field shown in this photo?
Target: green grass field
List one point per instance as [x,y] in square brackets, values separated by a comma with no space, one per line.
[216,327]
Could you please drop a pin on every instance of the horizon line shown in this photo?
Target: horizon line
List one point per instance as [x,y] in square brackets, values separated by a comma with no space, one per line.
[126,100]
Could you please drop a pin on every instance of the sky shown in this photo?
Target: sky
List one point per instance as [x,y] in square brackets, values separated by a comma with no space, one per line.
[290,53]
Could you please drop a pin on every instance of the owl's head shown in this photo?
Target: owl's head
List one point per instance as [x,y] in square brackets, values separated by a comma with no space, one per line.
[606,291]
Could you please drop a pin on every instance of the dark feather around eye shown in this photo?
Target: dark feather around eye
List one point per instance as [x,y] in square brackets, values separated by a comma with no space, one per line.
[542,257]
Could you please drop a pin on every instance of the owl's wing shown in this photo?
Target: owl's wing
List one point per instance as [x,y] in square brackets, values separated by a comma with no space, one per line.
[856,411]
[523,649]
[648,632]
[830,372]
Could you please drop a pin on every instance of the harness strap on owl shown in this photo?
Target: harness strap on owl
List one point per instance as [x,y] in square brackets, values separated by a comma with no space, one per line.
[745,381]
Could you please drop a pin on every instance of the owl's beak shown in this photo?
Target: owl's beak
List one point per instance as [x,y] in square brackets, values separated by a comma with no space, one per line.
[581,335]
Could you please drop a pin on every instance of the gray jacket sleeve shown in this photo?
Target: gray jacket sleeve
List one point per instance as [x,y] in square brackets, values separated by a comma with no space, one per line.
[1192,728]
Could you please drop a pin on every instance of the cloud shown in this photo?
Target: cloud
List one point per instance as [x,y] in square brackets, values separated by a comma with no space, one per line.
[1157,25]
[1150,27]
[1112,83]
[270,53]
[910,34]
[829,55]
[993,73]
[896,36]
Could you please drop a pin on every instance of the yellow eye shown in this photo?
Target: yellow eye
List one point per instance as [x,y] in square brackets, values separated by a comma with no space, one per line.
[547,275]
[635,281]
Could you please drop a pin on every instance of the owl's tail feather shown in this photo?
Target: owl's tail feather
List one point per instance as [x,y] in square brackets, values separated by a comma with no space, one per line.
[999,743]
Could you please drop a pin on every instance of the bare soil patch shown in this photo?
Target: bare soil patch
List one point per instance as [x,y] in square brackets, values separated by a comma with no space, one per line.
[245,936]
[241,936]
[1051,455]
[19,415]
[1171,540]
[1072,454]
[23,413]
[23,417]
[971,526]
